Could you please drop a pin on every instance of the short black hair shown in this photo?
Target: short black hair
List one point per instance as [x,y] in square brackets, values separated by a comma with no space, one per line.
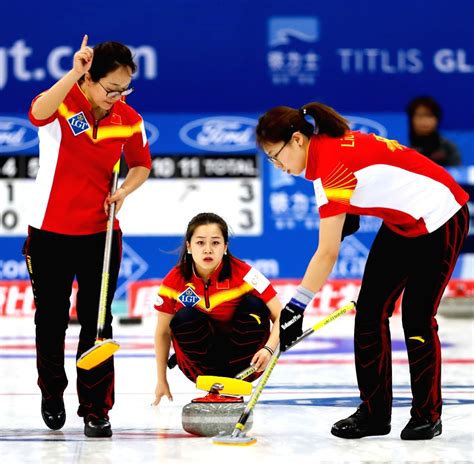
[428,102]
[109,56]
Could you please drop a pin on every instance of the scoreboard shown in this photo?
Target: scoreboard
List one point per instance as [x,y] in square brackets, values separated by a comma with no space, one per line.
[179,187]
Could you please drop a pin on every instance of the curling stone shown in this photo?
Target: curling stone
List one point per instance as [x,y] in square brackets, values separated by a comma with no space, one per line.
[213,414]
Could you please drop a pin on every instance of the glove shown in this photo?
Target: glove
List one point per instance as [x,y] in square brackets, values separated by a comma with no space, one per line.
[291,317]
[291,324]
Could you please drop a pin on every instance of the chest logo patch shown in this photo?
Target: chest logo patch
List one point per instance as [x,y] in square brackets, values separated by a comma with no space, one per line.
[189,298]
[78,123]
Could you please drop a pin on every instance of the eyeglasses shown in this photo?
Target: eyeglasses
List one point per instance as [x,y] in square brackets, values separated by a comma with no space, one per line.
[116,93]
[274,158]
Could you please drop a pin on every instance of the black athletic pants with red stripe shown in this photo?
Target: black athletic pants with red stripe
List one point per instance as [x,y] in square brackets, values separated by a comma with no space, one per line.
[419,267]
[203,349]
[53,261]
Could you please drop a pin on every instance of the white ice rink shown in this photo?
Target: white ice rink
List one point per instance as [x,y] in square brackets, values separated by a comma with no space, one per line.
[309,390]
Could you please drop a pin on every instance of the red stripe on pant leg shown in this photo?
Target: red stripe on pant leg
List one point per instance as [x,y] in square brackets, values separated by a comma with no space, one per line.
[454,232]
[190,369]
[455,245]
[376,345]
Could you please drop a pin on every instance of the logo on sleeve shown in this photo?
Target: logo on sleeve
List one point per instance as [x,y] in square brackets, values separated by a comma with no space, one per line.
[257,280]
[189,298]
[321,198]
[78,123]
[158,301]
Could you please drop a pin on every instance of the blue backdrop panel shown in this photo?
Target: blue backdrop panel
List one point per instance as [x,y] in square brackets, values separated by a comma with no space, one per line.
[230,61]
[363,56]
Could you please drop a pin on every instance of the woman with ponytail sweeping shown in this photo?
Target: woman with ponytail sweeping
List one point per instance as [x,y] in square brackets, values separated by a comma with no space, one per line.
[425,221]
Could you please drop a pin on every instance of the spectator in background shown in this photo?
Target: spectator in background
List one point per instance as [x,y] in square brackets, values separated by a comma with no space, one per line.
[424,117]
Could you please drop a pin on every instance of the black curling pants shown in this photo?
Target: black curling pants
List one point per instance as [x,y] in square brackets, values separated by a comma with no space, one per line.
[53,261]
[419,267]
[203,348]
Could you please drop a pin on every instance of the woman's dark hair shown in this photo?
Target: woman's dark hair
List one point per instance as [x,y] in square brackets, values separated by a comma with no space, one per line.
[426,144]
[279,123]
[109,56]
[428,102]
[185,262]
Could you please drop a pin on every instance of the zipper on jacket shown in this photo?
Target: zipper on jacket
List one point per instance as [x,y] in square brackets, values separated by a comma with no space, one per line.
[206,294]
[96,128]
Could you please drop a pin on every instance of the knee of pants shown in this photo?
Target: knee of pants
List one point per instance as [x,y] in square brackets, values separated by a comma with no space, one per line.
[187,315]
[371,316]
[417,333]
[52,322]
[251,304]
[418,325]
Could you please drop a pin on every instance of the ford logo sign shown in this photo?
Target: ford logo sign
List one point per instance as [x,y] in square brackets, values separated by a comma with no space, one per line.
[220,133]
[16,134]
[152,133]
[366,126]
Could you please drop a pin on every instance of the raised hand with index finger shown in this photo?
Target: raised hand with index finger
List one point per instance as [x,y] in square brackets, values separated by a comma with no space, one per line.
[83,57]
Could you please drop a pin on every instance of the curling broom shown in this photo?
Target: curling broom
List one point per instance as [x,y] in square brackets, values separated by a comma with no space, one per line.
[103,349]
[227,385]
[238,437]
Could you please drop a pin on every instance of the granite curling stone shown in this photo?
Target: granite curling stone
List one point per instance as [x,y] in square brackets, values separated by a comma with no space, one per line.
[210,418]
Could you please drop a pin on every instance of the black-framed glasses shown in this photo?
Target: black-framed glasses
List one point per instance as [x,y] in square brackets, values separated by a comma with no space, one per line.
[116,93]
[274,158]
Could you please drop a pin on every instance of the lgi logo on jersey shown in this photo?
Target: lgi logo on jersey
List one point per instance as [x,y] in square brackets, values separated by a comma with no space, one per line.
[189,298]
[78,123]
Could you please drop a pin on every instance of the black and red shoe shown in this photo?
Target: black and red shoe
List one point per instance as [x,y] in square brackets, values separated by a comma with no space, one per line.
[421,429]
[53,412]
[97,427]
[360,425]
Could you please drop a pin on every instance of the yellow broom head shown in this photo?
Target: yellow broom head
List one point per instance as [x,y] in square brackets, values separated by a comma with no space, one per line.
[236,438]
[100,352]
[230,386]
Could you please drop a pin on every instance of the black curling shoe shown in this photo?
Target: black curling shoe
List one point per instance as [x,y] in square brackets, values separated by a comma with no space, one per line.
[97,428]
[53,413]
[421,429]
[359,425]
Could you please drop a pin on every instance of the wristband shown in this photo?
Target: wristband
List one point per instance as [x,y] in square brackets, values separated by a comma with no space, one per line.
[268,349]
[302,297]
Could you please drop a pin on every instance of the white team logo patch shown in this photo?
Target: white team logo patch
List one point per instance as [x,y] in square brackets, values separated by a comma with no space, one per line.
[321,198]
[257,280]
[78,123]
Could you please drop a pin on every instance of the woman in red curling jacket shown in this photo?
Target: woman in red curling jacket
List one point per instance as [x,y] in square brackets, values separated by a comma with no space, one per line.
[425,221]
[84,126]
[214,308]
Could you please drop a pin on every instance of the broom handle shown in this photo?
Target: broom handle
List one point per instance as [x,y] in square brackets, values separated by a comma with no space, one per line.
[251,369]
[104,285]
[239,427]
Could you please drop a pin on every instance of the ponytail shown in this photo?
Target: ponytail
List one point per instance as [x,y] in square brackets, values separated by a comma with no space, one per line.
[279,123]
[328,120]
